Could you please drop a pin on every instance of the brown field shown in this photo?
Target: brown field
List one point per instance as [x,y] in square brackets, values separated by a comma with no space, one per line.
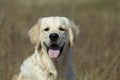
[97,52]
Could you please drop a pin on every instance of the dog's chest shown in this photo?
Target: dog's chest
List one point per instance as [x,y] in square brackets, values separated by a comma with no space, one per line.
[35,73]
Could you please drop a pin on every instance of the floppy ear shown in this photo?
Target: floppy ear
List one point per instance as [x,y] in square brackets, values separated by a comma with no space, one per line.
[73,32]
[34,34]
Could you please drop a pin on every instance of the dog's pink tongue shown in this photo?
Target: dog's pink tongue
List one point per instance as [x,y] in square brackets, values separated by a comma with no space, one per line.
[53,53]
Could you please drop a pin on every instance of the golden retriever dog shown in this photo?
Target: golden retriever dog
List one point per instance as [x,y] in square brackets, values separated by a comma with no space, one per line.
[53,38]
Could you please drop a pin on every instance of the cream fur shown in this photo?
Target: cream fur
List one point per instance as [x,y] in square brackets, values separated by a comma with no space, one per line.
[39,66]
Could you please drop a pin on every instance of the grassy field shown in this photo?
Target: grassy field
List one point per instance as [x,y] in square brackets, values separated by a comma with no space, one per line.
[97,52]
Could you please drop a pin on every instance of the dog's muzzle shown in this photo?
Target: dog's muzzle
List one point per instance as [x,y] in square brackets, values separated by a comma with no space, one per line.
[54,49]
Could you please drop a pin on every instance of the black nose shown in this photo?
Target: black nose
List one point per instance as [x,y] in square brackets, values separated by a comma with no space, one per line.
[53,36]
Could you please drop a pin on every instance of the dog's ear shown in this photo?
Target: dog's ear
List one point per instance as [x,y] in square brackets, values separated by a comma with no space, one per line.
[73,33]
[34,34]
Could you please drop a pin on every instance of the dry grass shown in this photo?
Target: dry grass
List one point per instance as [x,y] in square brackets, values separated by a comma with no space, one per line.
[97,54]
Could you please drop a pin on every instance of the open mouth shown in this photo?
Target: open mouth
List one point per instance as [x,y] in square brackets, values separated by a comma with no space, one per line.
[54,50]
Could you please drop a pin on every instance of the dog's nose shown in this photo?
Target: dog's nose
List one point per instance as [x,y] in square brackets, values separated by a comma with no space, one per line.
[53,36]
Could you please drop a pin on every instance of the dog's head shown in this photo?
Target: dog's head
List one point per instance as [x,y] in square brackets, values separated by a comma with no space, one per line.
[53,34]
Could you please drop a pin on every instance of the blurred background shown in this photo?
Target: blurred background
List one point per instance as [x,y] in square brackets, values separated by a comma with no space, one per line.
[97,52]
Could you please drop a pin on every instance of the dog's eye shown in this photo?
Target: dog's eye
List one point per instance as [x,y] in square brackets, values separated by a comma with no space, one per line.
[62,29]
[46,29]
